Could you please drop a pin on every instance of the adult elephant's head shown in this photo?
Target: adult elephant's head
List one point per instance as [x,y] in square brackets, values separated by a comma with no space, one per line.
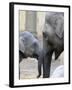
[53,38]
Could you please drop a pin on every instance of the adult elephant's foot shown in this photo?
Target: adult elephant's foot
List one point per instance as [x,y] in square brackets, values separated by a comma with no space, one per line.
[46,75]
[38,76]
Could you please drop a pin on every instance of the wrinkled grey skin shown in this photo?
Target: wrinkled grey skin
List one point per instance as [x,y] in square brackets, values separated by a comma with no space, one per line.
[40,62]
[29,47]
[53,39]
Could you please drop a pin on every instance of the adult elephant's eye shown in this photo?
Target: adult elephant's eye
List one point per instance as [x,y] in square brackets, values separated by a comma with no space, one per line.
[45,35]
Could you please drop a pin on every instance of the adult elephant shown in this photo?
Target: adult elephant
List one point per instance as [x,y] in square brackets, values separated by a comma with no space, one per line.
[53,39]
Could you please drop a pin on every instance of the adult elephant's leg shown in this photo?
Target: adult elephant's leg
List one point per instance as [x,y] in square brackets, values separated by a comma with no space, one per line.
[47,63]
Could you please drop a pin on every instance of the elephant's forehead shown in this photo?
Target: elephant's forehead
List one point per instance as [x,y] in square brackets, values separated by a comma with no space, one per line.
[52,20]
[52,16]
[26,35]
[28,38]
[54,13]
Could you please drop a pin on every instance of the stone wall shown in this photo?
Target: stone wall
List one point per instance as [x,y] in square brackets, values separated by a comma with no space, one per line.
[22,18]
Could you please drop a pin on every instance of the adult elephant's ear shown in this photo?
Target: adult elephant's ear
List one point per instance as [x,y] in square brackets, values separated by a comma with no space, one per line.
[60,27]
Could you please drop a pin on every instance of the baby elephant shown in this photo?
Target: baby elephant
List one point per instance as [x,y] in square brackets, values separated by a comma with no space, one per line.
[29,47]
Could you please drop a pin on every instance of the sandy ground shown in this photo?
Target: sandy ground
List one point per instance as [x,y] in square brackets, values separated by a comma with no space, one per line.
[29,68]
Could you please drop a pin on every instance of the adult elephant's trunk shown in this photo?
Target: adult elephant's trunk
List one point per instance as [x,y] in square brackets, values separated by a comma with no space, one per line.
[47,64]
[48,51]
